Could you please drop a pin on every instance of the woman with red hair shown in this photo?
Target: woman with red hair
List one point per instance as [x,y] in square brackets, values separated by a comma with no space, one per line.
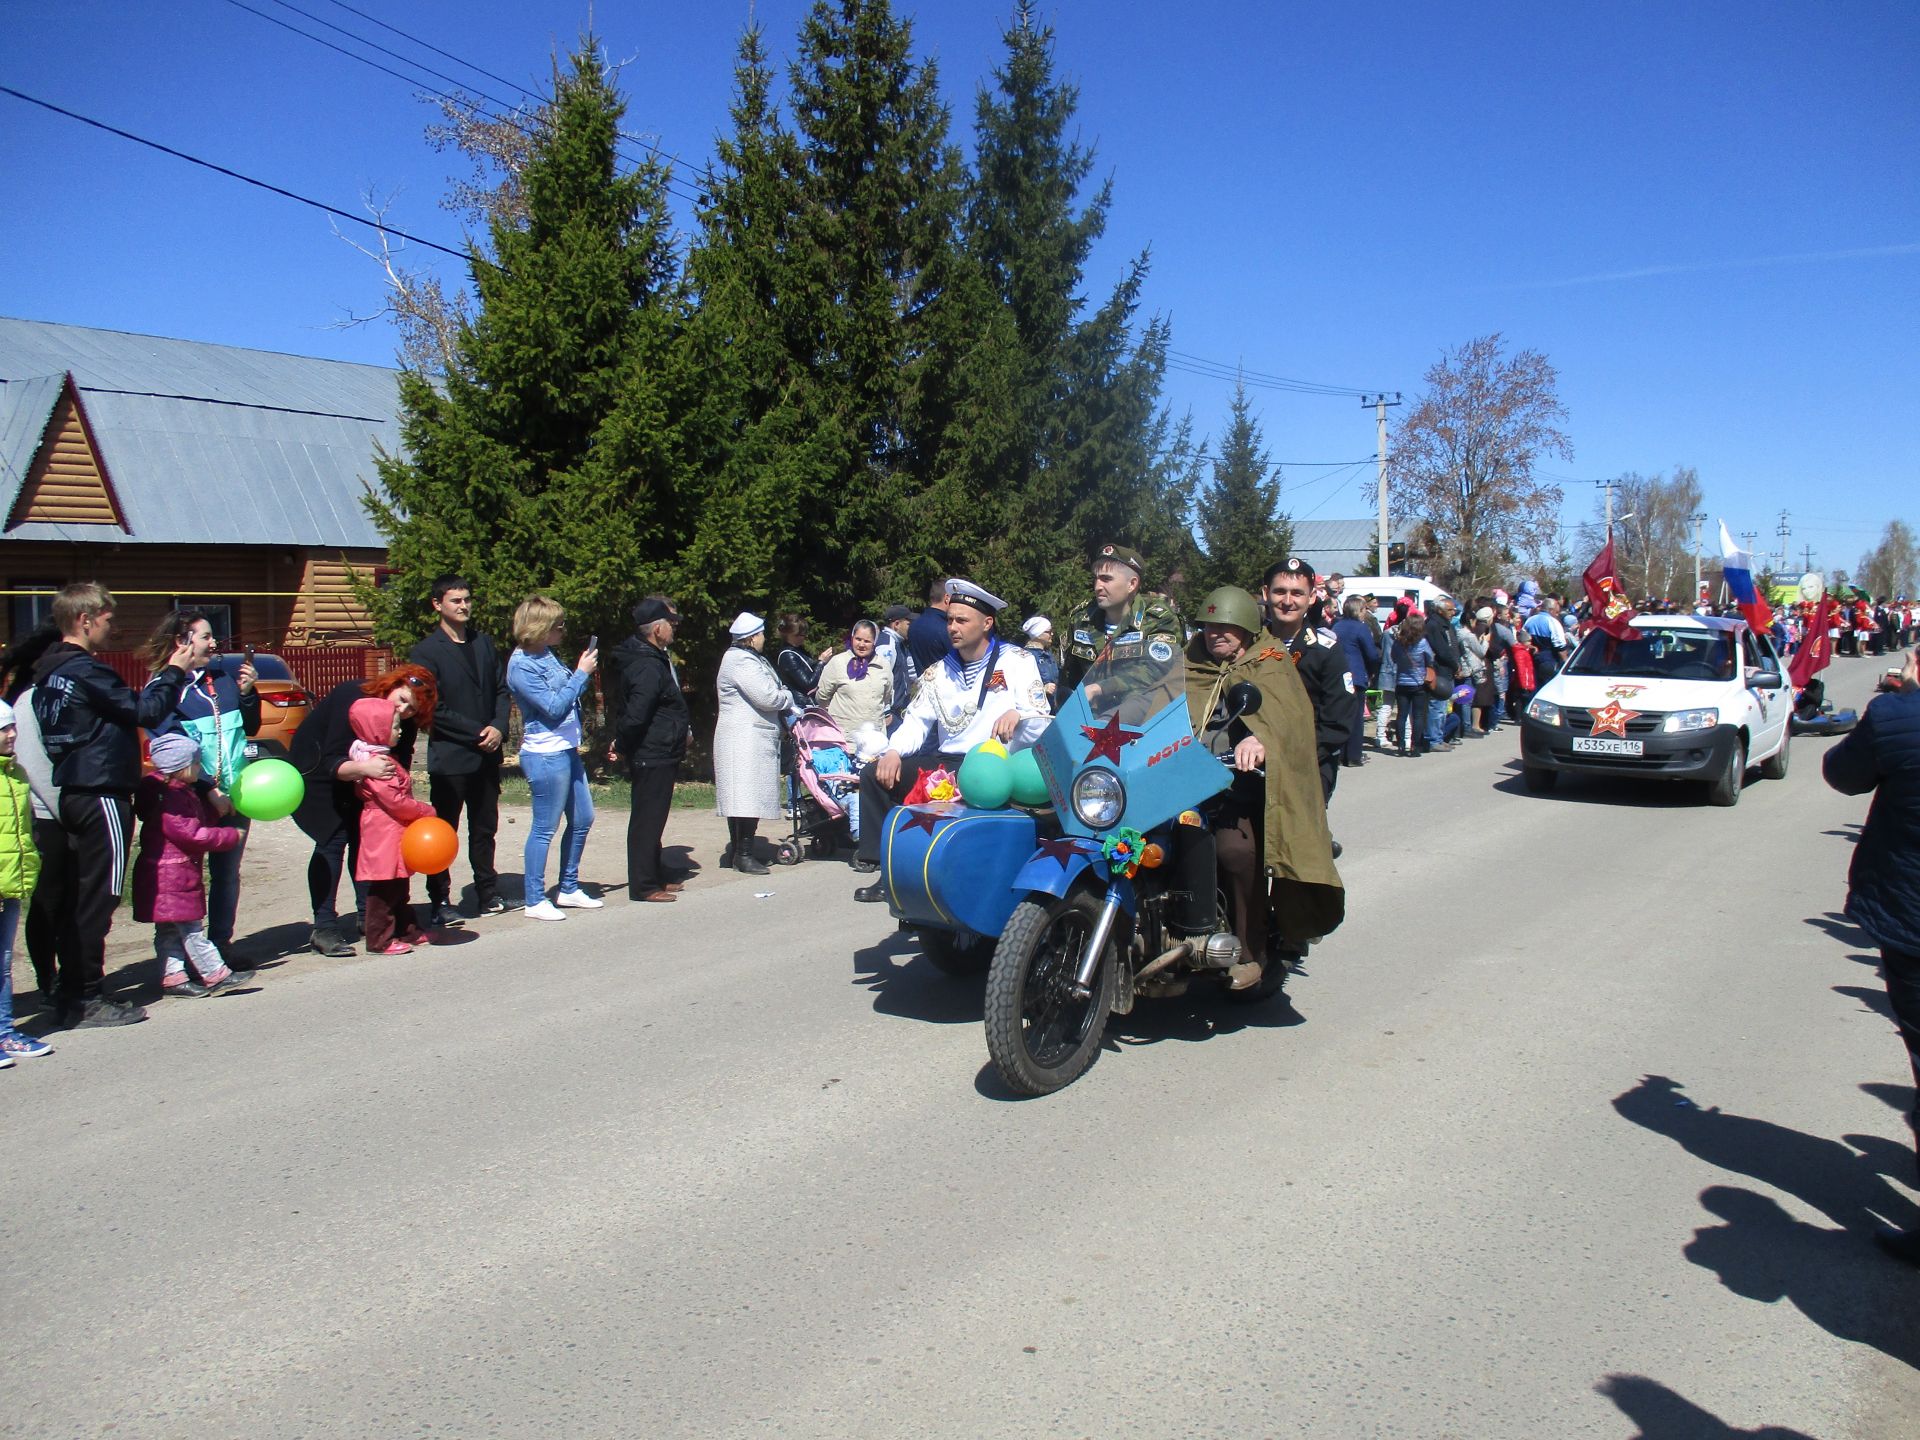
[330,810]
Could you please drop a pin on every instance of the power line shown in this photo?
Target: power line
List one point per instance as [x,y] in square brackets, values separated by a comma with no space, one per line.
[506,108]
[469,256]
[1219,370]
[429,45]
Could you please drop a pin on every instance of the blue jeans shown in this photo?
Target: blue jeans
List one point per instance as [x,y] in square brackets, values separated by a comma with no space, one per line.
[9,923]
[1437,713]
[223,885]
[559,784]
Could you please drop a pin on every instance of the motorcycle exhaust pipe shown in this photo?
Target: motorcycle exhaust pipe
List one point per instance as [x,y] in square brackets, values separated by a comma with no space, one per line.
[1096,944]
[1162,961]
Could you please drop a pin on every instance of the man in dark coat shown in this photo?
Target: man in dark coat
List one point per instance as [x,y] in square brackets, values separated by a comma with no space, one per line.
[1881,755]
[469,735]
[1446,668]
[650,727]
[1319,659]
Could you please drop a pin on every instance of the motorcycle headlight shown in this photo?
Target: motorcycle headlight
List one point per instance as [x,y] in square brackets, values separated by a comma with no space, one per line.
[1545,711]
[1099,799]
[1683,720]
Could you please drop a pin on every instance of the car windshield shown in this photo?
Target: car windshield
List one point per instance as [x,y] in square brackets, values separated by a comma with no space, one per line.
[1657,653]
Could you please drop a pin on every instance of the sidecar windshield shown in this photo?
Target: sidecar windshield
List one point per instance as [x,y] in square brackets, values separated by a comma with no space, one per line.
[1128,717]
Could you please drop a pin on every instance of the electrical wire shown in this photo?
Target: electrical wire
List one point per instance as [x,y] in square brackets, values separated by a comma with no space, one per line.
[1220,370]
[384,229]
[507,110]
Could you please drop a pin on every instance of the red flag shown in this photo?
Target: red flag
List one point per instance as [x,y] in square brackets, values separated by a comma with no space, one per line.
[1816,646]
[1612,611]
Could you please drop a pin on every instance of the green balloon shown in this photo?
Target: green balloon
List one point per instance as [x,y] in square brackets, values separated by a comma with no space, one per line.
[1029,785]
[986,779]
[268,790]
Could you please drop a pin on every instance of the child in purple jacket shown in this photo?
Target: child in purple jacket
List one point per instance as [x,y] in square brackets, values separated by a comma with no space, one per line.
[177,829]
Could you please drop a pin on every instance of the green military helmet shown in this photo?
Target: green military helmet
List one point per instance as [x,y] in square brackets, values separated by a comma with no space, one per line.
[1231,606]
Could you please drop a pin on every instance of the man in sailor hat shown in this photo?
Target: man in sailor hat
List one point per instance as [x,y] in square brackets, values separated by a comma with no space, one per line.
[982,690]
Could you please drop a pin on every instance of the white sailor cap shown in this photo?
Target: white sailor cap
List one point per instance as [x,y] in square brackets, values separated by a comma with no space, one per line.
[965,592]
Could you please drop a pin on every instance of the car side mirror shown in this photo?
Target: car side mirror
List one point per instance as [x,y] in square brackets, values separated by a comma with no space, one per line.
[1763,680]
[1243,699]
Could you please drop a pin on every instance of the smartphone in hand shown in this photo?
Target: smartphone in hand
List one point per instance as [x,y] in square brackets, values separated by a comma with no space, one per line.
[593,642]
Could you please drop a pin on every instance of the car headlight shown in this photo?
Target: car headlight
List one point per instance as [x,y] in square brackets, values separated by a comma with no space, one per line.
[1099,799]
[1545,711]
[1683,720]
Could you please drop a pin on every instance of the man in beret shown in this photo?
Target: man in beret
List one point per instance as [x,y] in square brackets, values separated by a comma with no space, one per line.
[1317,656]
[981,690]
[1122,623]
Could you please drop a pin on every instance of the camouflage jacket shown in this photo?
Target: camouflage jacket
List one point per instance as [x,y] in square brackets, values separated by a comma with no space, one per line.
[1152,635]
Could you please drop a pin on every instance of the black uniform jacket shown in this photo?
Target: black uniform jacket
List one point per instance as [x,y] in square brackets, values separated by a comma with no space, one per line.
[1323,670]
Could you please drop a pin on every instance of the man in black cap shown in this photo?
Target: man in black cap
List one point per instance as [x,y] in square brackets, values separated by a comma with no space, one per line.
[650,732]
[469,733]
[1136,624]
[1319,659]
[892,644]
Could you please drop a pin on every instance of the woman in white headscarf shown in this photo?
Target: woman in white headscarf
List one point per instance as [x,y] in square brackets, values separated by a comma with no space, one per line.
[746,741]
[1039,643]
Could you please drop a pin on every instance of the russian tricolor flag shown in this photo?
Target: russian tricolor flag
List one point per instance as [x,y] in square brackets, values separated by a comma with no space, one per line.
[1736,566]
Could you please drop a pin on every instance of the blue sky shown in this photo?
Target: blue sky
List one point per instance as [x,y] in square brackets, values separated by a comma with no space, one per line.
[1706,215]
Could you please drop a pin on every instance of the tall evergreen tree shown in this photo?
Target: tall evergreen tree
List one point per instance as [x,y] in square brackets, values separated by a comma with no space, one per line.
[1241,528]
[553,458]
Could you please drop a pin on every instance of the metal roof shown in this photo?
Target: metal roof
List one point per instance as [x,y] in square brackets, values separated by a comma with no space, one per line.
[1341,545]
[204,444]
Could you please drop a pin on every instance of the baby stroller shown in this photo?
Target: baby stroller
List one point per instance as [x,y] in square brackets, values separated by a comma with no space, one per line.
[821,777]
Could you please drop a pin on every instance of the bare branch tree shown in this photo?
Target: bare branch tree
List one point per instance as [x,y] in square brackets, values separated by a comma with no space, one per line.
[418,304]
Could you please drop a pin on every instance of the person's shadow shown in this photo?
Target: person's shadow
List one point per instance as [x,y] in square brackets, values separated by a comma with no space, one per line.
[1661,1414]
[1835,1277]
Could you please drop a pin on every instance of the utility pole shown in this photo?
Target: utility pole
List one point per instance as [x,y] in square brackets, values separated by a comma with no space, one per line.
[1808,557]
[1784,530]
[1608,486]
[1380,404]
[1698,521]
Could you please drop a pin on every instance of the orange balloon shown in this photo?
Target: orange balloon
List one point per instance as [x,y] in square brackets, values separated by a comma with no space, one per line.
[428,845]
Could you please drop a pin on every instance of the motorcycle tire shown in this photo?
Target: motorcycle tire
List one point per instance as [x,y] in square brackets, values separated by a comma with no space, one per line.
[956,955]
[1040,1037]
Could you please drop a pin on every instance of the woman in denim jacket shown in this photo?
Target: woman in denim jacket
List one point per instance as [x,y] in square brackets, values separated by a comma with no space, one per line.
[548,695]
[1409,659]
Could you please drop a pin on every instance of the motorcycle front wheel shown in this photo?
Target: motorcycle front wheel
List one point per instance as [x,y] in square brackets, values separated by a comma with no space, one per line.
[1040,1037]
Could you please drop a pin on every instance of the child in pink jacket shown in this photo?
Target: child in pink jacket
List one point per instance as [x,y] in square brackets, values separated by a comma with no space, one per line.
[178,827]
[387,807]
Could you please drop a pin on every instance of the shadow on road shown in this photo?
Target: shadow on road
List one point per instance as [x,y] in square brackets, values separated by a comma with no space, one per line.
[1663,1415]
[1874,1000]
[1836,1278]
[1195,1017]
[1844,930]
[1607,790]
[917,990]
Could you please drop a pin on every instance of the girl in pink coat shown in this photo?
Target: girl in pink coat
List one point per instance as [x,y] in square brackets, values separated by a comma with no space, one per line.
[387,807]
[178,827]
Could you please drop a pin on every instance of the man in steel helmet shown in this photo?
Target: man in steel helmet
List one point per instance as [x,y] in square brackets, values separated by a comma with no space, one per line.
[1269,830]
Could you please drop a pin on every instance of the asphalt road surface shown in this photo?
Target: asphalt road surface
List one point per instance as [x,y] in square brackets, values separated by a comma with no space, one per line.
[1579,1127]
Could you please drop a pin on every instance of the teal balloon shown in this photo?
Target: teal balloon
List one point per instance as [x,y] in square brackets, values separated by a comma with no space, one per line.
[986,780]
[1029,785]
[268,790]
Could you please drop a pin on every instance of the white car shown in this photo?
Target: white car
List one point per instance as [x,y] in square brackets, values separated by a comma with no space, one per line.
[1688,698]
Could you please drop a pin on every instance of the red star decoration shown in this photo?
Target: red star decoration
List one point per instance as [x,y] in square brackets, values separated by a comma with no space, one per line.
[1613,716]
[1108,739]
[1061,850]
[918,819]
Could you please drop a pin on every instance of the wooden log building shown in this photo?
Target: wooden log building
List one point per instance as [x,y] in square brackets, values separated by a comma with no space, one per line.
[176,472]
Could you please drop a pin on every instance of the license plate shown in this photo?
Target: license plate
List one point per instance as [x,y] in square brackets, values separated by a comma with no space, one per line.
[1606,745]
[252,751]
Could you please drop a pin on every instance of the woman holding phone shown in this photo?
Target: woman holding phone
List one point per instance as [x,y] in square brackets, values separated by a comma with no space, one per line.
[548,694]
[217,711]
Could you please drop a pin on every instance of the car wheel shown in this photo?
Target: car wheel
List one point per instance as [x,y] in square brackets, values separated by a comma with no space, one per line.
[1774,767]
[1725,789]
[1538,780]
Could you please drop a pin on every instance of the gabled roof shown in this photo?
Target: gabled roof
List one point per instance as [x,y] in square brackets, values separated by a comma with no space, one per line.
[206,444]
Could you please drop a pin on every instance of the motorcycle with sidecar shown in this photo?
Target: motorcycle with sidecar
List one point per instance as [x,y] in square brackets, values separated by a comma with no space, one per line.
[1070,907]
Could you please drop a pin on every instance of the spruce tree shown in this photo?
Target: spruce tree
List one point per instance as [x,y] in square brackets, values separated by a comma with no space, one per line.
[1242,531]
[552,457]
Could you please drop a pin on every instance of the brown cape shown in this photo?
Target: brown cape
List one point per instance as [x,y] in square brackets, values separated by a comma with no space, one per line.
[1309,900]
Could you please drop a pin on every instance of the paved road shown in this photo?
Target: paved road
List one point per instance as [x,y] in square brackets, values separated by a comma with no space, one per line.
[733,1167]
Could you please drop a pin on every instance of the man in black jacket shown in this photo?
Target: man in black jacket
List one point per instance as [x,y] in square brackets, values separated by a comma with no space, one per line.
[650,729]
[90,721]
[469,729]
[1321,662]
[1446,668]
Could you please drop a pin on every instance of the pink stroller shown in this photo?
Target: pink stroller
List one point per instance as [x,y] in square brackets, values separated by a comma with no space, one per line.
[821,780]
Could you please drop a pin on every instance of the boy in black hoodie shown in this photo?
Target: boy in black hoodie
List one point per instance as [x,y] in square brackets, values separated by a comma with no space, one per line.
[90,722]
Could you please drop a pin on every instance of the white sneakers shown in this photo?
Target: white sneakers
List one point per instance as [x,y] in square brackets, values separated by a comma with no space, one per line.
[543,911]
[578,900]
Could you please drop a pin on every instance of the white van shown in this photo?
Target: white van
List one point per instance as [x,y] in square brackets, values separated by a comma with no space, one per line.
[1386,589]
